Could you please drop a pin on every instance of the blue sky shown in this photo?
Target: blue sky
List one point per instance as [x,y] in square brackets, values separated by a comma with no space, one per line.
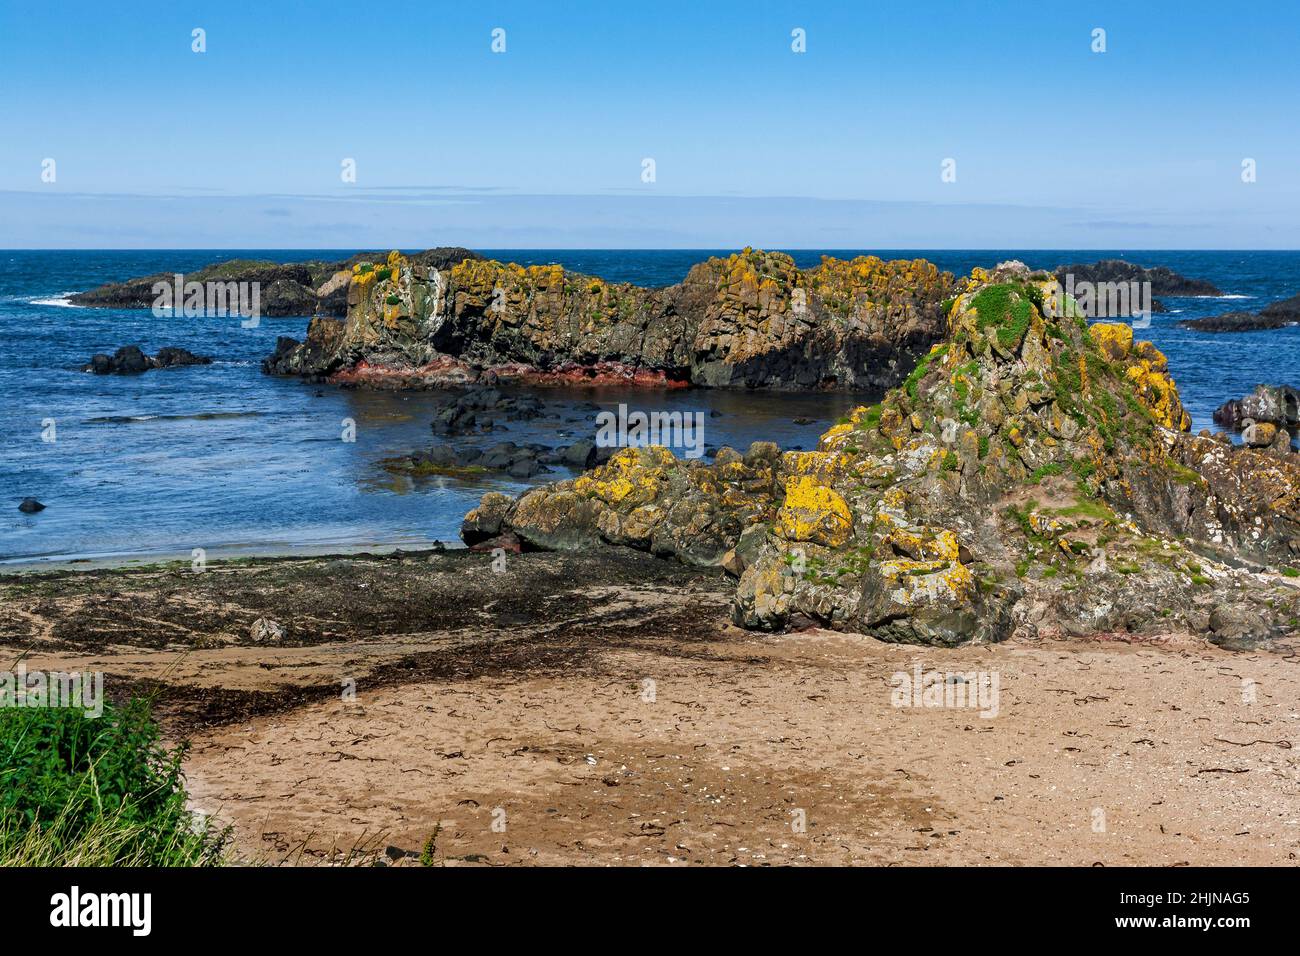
[1055,145]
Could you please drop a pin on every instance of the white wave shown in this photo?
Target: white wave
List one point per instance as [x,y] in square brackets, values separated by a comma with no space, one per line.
[61,300]
[1216,297]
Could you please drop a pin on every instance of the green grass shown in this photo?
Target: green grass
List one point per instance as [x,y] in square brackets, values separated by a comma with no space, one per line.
[1043,471]
[1083,468]
[871,420]
[922,367]
[84,791]
[1182,475]
[1095,510]
[1008,308]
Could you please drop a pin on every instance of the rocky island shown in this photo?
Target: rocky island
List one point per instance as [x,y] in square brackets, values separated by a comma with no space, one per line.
[309,288]
[1275,315]
[752,319]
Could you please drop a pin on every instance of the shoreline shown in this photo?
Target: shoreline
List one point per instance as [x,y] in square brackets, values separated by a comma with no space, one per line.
[224,556]
[606,705]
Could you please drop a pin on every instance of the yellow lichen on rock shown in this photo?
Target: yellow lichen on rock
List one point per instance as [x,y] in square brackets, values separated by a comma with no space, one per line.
[632,475]
[1115,339]
[823,465]
[1156,389]
[914,583]
[813,512]
[923,544]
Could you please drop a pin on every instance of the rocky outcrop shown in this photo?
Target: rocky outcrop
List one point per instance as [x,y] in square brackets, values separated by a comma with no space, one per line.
[1120,289]
[1275,404]
[1276,315]
[130,360]
[1236,322]
[301,288]
[1031,475]
[752,319]
[1286,310]
[1163,281]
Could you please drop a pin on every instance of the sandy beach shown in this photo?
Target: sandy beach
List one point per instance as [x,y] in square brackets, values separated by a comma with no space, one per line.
[600,709]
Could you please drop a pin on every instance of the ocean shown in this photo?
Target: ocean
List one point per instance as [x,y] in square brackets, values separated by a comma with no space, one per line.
[228,460]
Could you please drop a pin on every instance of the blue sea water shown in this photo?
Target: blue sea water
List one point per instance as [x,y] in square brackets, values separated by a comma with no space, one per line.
[227,459]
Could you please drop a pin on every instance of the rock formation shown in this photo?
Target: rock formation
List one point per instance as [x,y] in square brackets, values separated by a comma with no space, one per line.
[300,288]
[752,319]
[129,360]
[1276,404]
[1276,315]
[1236,322]
[1031,475]
[1163,281]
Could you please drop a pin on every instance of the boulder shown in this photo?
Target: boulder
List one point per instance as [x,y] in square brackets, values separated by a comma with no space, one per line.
[130,360]
[484,522]
[30,506]
[1275,404]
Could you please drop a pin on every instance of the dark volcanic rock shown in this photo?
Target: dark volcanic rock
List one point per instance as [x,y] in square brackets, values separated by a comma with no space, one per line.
[1288,310]
[311,359]
[1276,315]
[1275,404]
[29,506]
[1237,322]
[1163,281]
[130,360]
[480,410]
[171,356]
[285,289]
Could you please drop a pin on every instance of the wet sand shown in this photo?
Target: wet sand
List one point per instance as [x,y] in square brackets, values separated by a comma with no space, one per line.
[599,709]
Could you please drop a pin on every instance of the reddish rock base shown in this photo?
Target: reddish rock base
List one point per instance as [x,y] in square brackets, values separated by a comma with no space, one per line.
[447,371]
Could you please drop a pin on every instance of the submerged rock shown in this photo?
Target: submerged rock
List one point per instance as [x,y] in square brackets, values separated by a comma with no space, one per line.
[30,506]
[1031,475]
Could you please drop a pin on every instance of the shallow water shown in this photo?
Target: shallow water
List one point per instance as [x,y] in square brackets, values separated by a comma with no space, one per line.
[227,459]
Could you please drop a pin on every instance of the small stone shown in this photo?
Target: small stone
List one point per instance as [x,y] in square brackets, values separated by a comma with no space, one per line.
[265,629]
[1259,434]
